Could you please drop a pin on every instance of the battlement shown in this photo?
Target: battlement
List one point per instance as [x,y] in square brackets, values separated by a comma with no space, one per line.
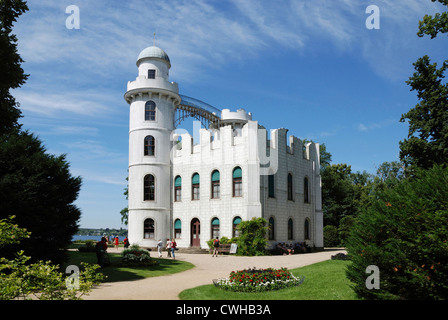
[248,136]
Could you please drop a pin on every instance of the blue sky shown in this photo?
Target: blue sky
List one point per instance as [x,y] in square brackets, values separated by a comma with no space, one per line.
[310,66]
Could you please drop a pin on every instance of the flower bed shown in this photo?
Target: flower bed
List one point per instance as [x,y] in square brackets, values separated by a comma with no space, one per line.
[256,280]
[136,257]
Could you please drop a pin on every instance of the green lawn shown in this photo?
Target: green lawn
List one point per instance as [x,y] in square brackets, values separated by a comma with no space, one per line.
[323,281]
[116,273]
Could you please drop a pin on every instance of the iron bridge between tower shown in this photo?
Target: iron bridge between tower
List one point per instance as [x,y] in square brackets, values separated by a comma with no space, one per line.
[201,111]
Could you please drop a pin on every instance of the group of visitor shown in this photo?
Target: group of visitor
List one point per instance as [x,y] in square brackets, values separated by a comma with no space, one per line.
[289,249]
[101,248]
[171,246]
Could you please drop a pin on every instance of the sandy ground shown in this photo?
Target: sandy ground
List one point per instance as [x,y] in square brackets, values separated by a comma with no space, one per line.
[206,269]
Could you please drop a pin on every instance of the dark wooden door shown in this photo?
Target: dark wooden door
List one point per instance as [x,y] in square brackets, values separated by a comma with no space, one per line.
[195,237]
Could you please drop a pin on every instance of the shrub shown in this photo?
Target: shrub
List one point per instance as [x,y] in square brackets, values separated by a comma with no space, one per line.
[252,239]
[89,246]
[42,280]
[404,233]
[136,257]
[223,240]
[345,225]
[253,280]
[331,238]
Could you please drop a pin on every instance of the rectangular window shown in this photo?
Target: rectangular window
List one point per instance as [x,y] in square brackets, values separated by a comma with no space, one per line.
[195,192]
[237,187]
[215,190]
[177,194]
[271,186]
[151,74]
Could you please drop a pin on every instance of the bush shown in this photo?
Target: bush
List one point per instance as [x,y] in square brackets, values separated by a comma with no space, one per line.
[223,240]
[253,280]
[345,225]
[404,233]
[89,246]
[252,239]
[42,280]
[331,238]
[136,257]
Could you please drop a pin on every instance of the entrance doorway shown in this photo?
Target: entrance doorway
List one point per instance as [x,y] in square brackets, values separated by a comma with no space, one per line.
[195,239]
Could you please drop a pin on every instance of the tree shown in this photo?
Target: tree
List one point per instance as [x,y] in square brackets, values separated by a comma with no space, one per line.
[427,142]
[39,190]
[433,25]
[125,211]
[13,75]
[331,238]
[35,186]
[337,193]
[404,233]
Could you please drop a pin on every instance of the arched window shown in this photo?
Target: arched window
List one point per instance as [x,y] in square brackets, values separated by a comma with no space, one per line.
[290,190]
[306,193]
[148,229]
[237,182]
[148,188]
[215,184]
[150,111]
[215,228]
[178,188]
[290,229]
[150,146]
[235,231]
[307,229]
[271,228]
[177,228]
[195,187]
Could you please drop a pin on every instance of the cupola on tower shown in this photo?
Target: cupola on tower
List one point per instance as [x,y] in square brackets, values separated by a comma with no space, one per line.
[152,99]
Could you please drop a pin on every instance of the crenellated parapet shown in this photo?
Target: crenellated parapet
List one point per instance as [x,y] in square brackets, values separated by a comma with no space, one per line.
[230,135]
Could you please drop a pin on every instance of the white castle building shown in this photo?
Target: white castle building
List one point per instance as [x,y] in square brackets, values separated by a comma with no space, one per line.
[196,192]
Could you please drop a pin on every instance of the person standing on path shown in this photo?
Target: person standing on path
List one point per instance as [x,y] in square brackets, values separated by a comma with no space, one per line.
[159,247]
[168,247]
[173,248]
[101,247]
[116,242]
[215,247]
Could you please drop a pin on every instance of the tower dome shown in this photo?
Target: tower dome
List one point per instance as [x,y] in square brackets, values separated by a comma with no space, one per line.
[153,52]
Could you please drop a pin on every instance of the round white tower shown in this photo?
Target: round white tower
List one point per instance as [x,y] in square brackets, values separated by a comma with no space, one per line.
[152,100]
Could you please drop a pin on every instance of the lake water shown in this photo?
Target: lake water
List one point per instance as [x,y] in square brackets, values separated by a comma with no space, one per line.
[94,238]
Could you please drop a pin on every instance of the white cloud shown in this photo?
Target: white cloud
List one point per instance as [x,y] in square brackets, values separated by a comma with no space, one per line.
[51,105]
[78,130]
[373,126]
[362,127]
[203,33]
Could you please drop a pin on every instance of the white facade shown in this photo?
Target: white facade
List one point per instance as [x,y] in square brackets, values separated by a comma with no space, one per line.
[203,190]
